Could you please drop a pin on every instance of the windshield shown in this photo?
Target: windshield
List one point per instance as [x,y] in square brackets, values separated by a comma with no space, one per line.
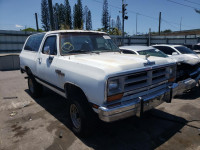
[73,43]
[152,52]
[184,50]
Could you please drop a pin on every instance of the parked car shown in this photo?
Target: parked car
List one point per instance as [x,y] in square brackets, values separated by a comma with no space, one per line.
[188,62]
[194,47]
[188,71]
[88,69]
[142,50]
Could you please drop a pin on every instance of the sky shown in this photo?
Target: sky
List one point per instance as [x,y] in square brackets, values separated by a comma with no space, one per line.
[19,14]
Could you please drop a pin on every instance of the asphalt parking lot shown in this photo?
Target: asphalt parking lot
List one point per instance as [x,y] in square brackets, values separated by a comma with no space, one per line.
[41,124]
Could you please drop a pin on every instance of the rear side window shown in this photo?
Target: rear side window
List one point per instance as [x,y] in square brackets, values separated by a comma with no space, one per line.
[184,50]
[166,50]
[34,42]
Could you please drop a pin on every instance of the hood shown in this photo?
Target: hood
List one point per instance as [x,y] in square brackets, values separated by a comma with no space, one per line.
[112,62]
[190,59]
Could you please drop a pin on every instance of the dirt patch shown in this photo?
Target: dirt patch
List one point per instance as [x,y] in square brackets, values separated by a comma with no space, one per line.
[29,117]
[19,131]
[193,111]
[63,137]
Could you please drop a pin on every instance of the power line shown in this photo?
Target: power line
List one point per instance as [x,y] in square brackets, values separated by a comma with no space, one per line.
[181,4]
[108,4]
[169,24]
[175,23]
[192,2]
[147,16]
[129,10]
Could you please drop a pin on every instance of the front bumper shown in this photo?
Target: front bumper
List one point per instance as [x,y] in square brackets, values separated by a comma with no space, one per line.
[185,85]
[134,108]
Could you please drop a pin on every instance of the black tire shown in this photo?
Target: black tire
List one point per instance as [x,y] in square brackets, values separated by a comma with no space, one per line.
[34,87]
[85,114]
[198,84]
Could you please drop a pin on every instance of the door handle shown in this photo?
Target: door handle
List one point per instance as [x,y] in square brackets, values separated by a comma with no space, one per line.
[59,72]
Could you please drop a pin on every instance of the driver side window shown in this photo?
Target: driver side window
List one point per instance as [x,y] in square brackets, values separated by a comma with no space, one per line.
[50,46]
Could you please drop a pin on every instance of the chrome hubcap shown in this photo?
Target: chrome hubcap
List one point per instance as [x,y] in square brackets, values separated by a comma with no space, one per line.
[31,85]
[75,117]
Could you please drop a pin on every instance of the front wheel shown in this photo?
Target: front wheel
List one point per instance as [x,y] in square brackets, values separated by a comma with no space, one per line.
[34,87]
[81,117]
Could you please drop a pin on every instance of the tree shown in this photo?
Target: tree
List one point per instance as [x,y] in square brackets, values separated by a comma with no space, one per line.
[118,23]
[75,16]
[45,15]
[56,16]
[85,13]
[112,23]
[87,18]
[89,21]
[62,14]
[167,31]
[105,16]
[78,15]
[32,30]
[115,31]
[68,17]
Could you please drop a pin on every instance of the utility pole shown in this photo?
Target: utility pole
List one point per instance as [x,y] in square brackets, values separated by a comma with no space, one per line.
[159,23]
[136,22]
[51,15]
[124,17]
[36,19]
[149,42]
[180,23]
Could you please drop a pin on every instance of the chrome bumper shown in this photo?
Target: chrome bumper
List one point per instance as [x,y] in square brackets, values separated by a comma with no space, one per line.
[185,85]
[134,108]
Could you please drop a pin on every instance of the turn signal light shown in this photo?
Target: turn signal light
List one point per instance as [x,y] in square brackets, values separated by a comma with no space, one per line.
[171,80]
[114,97]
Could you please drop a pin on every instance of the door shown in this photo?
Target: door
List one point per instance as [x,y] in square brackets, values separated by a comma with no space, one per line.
[47,59]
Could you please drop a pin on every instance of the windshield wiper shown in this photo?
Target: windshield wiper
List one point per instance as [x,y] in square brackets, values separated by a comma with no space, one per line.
[78,51]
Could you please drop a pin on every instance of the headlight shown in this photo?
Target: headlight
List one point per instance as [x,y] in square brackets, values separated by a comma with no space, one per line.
[115,86]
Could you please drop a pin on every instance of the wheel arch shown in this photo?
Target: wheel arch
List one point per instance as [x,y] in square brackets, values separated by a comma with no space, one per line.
[72,89]
[28,70]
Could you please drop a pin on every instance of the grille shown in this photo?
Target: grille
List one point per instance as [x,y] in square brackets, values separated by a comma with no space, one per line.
[147,84]
[144,79]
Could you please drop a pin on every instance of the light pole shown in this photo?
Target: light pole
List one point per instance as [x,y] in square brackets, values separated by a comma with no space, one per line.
[124,17]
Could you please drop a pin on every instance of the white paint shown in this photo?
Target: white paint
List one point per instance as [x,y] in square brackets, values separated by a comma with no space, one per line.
[90,72]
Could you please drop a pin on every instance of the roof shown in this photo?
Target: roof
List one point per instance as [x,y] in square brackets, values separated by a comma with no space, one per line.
[167,45]
[69,31]
[77,31]
[137,48]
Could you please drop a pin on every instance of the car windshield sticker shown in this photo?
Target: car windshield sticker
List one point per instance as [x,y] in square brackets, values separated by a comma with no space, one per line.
[106,37]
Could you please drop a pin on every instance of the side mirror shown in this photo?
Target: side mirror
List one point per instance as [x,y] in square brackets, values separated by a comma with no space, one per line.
[47,50]
[174,53]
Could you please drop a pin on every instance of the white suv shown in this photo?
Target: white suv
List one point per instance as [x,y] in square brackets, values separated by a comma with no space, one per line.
[89,70]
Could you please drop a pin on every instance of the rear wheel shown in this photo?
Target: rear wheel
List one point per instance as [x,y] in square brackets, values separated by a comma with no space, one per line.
[35,88]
